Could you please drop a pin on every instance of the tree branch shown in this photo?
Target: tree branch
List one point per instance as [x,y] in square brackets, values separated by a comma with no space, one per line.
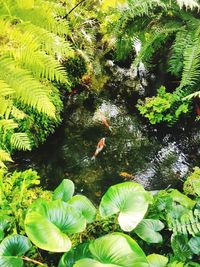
[78,4]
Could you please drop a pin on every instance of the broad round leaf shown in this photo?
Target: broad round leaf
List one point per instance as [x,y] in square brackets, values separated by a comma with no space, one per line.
[115,250]
[64,191]
[130,200]
[93,263]
[156,260]
[85,206]
[194,245]
[148,229]
[11,248]
[79,252]
[48,223]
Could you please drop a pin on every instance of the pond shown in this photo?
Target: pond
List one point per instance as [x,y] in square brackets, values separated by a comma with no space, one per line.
[158,158]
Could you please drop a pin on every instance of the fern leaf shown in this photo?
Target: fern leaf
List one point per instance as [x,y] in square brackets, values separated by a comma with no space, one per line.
[193,95]
[17,113]
[8,125]
[5,89]
[20,141]
[191,69]
[40,64]
[5,156]
[178,48]
[154,42]
[27,89]
[188,4]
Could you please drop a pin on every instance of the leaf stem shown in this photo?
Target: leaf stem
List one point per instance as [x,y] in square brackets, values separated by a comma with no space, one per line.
[34,261]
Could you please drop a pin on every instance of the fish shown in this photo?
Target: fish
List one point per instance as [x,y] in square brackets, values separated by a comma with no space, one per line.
[197,108]
[126,175]
[104,121]
[99,148]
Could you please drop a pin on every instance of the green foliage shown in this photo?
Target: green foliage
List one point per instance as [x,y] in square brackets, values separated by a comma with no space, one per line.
[148,230]
[156,260]
[114,249]
[32,46]
[12,249]
[180,247]
[163,107]
[169,36]
[123,199]
[76,67]
[192,183]
[64,191]
[48,224]
[17,191]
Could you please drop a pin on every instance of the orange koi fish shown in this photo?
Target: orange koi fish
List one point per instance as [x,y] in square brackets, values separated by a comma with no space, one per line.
[104,121]
[126,175]
[100,146]
[197,108]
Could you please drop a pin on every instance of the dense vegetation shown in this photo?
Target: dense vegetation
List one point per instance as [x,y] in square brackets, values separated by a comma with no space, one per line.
[50,50]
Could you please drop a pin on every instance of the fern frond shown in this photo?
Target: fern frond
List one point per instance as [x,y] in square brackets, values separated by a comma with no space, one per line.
[191,69]
[153,43]
[5,89]
[5,107]
[140,8]
[7,125]
[188,4]
[40,64]
[193,95]
[17,113]
[176,59]
[27,89]
[50,42]
[187,223]
[20,141]
[4,156]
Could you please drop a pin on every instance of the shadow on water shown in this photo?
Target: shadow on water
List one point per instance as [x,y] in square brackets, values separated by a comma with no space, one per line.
[131,153]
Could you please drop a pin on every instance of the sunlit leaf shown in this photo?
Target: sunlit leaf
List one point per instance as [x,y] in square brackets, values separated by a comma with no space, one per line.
[79,252]
[148,229]
[85,206]
[48,223]
[11,250]
[64,191]
[114,250]
[194,244]
[156,260]
[129,200]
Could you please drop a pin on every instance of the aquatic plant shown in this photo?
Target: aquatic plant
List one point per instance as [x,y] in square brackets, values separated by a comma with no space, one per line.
[48,223]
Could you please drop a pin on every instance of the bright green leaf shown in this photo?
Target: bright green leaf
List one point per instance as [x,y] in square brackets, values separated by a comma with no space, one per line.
[156,260]
[148,229]
[129,200]
[85,206]
[64,191]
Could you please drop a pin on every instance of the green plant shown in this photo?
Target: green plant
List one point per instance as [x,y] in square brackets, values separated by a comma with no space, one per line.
[17,191]
[123,199]
[192,183]
[163,107]
[48,224]
[32,45]
[169,35]
[114,249]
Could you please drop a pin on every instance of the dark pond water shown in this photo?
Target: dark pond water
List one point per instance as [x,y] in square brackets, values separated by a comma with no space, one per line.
[131,152]
[156,158]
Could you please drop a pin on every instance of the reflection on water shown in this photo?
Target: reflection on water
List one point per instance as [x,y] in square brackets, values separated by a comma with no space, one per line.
[129,149]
